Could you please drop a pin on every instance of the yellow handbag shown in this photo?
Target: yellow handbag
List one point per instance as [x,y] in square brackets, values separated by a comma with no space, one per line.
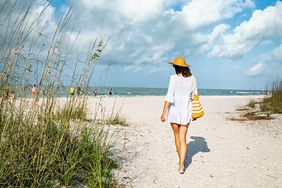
[197,110]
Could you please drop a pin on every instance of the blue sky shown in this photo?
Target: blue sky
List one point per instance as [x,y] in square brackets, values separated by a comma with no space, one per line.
[231,44]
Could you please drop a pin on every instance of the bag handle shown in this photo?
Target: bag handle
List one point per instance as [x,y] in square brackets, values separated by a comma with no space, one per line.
[193,92]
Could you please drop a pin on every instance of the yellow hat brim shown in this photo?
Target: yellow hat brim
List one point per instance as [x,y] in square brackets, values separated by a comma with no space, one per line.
[179,65]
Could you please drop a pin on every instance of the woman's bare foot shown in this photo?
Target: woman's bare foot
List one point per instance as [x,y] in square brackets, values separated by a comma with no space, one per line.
[181,170]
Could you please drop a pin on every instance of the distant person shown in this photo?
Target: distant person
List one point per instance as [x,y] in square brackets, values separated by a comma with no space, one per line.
[33,90]
[110,91]
[72,91]
[177,109]
[86,91]
[95,92]
[13,95]
[78,90]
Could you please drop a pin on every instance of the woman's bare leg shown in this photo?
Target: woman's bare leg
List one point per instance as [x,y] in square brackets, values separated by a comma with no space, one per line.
[183,145]
[175,128]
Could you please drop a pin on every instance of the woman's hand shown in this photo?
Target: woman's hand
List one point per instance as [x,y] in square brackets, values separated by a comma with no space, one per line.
[163,117]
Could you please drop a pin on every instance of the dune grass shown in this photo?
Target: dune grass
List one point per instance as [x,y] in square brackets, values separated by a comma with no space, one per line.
[252,103]
[263,109]
[273,102]
[38,145]
[117,119]
[46,153]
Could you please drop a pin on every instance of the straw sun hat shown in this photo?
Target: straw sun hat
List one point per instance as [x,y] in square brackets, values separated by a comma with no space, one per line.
[180,61]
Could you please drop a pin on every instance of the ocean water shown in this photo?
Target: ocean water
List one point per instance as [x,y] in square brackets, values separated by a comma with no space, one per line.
[130,91]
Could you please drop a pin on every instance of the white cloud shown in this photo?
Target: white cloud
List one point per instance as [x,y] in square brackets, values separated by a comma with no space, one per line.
[217,32]
[138,29]
[40,16]
[215,37]
[277,54]
[148,31]
[274,56]
[35,28]
[90,4]
[144,10]
[264,25]
[199,13]
[47,20]
[133,68]
[146,34]
[256,69]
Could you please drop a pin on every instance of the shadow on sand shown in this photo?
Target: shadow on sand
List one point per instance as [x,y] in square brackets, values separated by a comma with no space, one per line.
[198,144]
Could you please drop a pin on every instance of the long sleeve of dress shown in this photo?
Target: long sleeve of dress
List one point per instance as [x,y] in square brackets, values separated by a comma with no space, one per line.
[170,91]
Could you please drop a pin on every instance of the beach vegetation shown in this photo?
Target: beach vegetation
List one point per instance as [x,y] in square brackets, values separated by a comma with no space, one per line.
[39,144]
[252,103]
[263,109]
[71,111]
[257,116]
[117,119]
[272,103]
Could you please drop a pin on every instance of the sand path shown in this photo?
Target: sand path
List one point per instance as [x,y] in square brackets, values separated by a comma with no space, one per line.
[221,153]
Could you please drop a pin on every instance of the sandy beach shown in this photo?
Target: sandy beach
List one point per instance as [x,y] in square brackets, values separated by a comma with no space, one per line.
[83,84]
[221,152]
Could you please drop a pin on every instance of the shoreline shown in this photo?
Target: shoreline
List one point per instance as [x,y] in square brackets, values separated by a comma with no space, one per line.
[140,96]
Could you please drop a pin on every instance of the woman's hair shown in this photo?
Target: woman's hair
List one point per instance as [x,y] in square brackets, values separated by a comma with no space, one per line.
[185,71]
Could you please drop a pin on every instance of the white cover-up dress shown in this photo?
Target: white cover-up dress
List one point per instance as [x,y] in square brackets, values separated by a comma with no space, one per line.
[179,93]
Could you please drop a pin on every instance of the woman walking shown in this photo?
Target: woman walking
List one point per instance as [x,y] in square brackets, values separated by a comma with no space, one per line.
[178,106]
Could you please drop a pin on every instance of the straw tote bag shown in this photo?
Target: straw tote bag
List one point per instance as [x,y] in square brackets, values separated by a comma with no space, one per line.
[197,110]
